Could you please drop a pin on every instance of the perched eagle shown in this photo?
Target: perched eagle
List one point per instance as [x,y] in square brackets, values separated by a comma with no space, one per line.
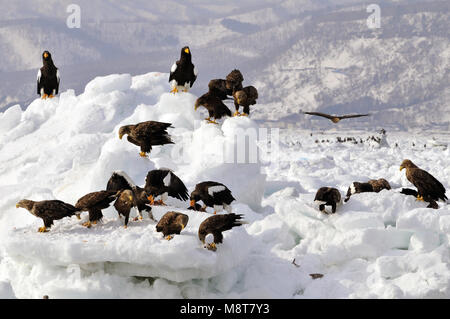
[210,230]
[245,97]
[94,203]
[234,80]
[212,194]
[48,210]
[216,108]
[124,203]
[429,189]
[172,223]
[165,183]
[120,181]
[328,196]
[224,88]
[183,73]
[336,118]
[47,77]
[373,185]
[146,134]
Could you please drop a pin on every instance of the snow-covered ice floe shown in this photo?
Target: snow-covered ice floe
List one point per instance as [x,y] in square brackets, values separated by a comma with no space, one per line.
[377,245]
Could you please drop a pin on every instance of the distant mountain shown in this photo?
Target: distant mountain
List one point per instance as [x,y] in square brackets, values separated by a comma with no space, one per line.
[301,55]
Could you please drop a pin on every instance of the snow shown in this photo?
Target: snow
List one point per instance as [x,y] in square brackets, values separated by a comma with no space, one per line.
[377,245]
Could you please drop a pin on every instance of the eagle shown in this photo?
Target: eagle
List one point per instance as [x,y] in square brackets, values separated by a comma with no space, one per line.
[336,118]
[328,196]
[124,203]
[373,185]
[94,203]
[165,183]
[47,77]
[212,194]
[183,73]
[172,223]
[48,211]
[120,181]
[224,88]
[216,108]
[245,97]
[429,189]
[210,230]
[147,134]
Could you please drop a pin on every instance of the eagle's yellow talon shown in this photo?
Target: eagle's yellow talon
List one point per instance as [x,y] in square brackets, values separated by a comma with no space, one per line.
[236,113]
[244,114]
[143,154]
[420,198]
[174,90]
[87,224]
[42,229]
[44,96]
[51,96]
[212,122]
[169,237]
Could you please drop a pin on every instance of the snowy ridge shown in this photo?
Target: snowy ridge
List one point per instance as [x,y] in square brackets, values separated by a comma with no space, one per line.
[377,245]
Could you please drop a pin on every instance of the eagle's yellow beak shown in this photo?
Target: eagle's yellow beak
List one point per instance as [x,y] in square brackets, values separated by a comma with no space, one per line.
[192,203]
[130,198]
[120,136]
[186,50]
[46,55]
[17,206]
[182,226]
[401,167]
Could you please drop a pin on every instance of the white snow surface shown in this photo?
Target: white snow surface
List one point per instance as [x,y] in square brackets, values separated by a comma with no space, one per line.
[377,245]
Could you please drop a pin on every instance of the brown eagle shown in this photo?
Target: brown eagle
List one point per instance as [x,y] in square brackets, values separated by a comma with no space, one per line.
[429,189]
[94,203]
[328,196]
[216,108]
[48,210]
[146,134]
[336,118]
[245,97]
[120,181]
[373,185]
[124,203]
[212,194]
[164,182]
[224,88]
[210,230]
[172,223]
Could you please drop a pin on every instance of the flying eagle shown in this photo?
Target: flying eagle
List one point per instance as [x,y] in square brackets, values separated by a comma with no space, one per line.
[48,210]
[183,73]
[373,185]
[172,223]
[245,97]
[210,230]
[212,194]
[165,183]
[429,189]
[216,108]
[47,77]
[94,203]
[120,181]
[328,196]
[146,134]
[336,118]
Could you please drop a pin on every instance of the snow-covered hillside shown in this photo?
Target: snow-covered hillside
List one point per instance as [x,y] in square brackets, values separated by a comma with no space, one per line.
[300,54]
[378,245]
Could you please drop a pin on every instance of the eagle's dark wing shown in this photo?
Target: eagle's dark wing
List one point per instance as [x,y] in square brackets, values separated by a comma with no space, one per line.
[177,188]
[218,88]
[100,200]
[172,73]
[426,184]
[352,116]
[119,181]
[320,114]
[220,109]
[217,224]
[152,131]
[54,209]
